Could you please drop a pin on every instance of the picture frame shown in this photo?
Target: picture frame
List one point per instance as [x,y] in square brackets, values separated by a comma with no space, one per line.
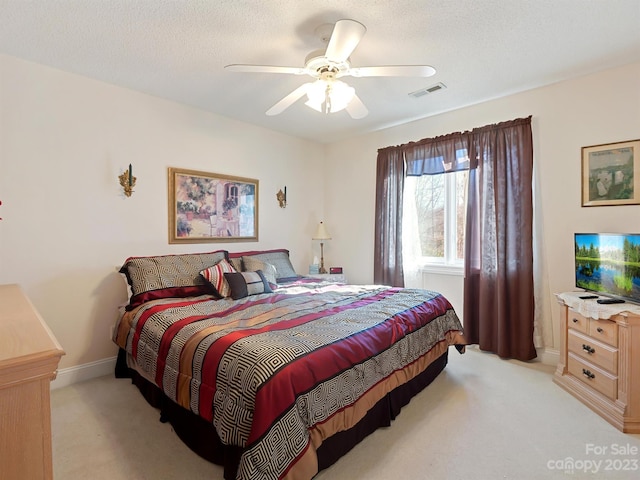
[211,207]
[611,174]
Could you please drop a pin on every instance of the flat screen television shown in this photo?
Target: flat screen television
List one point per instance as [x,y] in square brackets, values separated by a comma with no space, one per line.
[609,264]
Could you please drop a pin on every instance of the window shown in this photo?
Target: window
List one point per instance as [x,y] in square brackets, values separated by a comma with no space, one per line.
[434,218]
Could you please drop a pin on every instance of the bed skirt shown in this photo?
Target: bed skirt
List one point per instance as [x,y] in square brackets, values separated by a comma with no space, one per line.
[201,437]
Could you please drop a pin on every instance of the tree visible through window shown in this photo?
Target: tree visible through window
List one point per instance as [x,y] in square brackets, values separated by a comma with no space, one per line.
[440,208]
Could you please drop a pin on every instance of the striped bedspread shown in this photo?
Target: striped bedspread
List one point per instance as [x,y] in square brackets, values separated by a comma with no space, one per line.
[278,373]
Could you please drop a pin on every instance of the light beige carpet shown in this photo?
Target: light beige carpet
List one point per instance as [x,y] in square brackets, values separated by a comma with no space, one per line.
[482,418]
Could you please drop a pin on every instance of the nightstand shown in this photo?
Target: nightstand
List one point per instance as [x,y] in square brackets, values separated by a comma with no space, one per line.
[330,277]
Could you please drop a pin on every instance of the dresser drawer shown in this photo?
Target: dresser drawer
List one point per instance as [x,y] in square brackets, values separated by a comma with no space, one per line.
[595,377]
[577,321]
[604,330]
[593,351]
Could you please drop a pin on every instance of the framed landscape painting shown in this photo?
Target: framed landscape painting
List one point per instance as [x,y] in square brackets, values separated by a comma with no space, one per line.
[209,207]
[611,174]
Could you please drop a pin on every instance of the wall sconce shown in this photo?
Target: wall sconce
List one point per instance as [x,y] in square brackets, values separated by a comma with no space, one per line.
[127,181]
[282,197]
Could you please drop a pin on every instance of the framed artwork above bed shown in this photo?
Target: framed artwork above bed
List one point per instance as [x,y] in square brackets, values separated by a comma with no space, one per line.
[210,207]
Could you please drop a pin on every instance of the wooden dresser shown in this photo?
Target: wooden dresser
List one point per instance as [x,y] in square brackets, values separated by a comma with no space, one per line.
[29,357]
[600,358]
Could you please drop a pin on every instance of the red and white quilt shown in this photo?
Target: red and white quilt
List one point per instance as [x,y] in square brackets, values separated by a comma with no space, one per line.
[278,373]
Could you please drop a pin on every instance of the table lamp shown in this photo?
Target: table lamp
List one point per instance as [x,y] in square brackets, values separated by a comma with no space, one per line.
[321,234]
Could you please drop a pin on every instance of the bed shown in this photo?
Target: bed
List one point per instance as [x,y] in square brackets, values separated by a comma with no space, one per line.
[269,373]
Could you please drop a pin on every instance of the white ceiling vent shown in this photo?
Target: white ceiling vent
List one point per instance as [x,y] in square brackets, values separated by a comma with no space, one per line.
[426,91]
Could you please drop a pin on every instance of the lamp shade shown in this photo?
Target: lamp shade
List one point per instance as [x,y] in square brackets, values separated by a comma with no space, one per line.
[321,233]
[329,95]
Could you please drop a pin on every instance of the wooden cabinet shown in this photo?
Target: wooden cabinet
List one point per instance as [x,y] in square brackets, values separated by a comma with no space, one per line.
[600,358]
[29,357]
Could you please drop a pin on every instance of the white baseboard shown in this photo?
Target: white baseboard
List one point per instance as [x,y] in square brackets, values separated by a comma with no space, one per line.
[548,356]
[80,373]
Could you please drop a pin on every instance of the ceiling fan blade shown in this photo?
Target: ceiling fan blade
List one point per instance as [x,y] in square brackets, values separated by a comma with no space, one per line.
[392,71]
[344,39]
[265,69]
[289,100]
[356,109]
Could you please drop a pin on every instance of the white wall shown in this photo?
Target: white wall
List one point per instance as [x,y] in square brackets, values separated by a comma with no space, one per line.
[449,284]
[66,224]
[596,109]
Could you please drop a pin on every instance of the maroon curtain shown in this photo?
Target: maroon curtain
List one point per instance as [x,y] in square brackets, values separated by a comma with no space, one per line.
[387,266]
[433,156]
[498,286]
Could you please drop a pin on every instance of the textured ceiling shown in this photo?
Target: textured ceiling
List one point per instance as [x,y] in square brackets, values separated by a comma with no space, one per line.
[176,49]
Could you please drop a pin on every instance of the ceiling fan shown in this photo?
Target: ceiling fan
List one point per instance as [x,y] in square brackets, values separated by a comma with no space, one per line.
[327,93]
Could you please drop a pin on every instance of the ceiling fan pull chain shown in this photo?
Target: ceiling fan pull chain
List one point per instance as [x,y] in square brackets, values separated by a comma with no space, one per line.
[327,99]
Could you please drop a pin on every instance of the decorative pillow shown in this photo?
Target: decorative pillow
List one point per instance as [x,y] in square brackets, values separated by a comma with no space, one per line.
[168,275]
[244,284]
[252,264]
[215,276]
[277,258]
[237,263]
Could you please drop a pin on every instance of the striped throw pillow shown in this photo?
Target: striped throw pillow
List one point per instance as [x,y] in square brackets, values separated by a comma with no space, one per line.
[215,276]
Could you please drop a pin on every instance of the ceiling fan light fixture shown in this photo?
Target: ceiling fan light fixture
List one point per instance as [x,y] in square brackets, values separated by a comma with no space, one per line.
[329,96]
[316,95]
[340,95]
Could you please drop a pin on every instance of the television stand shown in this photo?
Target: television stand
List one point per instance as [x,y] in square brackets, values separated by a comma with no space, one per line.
[600,358]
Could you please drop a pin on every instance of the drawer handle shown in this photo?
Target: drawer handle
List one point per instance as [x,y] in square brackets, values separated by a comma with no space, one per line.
[590,350]
[588,374]
[575,320]
[599,330]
